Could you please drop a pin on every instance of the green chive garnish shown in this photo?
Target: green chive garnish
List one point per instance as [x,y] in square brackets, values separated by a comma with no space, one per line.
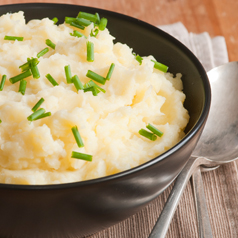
[77,83]
[19,38]
[96,77]
[154,130]
[34,61]
[88,16]
[77,136]
[78,155]
[103,24]
[26,66]
[90,51]
[92,84]
[98,18]
[77,34]
[94,32]
[38,104]
[47,114]
[68,20]
[36,114]
[22,87]
[147,134]
[51,79]
[68,73]
[55,20]
[160,66]
[34,68]
[2,82]
[35,72]
[42,52]
[77,25]
[110,71]
[83,22]
[50,43]
[20,76]
[139,59]
[0,121]
[92,89]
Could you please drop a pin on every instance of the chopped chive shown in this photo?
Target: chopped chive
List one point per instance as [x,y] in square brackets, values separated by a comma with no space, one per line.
[77,136]
[55,20]
[94,32]
[77,34]
[92,89]
[90,51]
[98,18]
[139,59]
[68,20]
[34,61]
[26,66]
[110,71]
[33,66]
[78,155]
[77,83]
[154,130]
[0,121]
[35,72]
[83,22]
[42,52]
[2,82]
[50,43]
[77,25]
[68,73]
[160,66]
[36,114]
[51,79]
[88,16]
[20,76]
[47,114]
[96,77]
[91,84]
[22,87]
[147,134]
[103,24]
[19,38]
[38,104]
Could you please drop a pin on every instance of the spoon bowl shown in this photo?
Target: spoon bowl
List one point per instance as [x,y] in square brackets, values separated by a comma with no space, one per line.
[219,140]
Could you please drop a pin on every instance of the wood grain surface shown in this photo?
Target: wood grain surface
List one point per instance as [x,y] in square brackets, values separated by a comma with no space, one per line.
[217,17]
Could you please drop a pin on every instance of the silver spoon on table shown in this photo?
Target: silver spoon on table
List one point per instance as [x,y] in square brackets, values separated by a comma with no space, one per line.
[218,145]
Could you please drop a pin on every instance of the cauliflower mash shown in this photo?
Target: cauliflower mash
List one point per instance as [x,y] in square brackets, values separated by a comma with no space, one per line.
[39,151]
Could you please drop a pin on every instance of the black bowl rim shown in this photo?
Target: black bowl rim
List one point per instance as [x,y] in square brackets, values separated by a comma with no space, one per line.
[188,136]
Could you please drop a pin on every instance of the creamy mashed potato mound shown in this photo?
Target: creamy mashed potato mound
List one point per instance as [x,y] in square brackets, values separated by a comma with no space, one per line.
[39,152]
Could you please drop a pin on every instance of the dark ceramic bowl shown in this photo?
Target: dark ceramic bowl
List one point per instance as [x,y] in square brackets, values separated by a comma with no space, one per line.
[82,208]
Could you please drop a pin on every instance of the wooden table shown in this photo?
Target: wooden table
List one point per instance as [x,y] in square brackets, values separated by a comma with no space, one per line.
[217,17]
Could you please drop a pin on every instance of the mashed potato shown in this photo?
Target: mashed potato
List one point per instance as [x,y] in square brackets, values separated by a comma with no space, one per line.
[39,152]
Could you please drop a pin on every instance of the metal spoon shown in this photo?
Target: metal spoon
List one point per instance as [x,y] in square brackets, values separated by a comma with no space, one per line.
[217,145]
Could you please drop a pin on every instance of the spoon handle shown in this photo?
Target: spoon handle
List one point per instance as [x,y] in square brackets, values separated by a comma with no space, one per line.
[204,226]
[163,222]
